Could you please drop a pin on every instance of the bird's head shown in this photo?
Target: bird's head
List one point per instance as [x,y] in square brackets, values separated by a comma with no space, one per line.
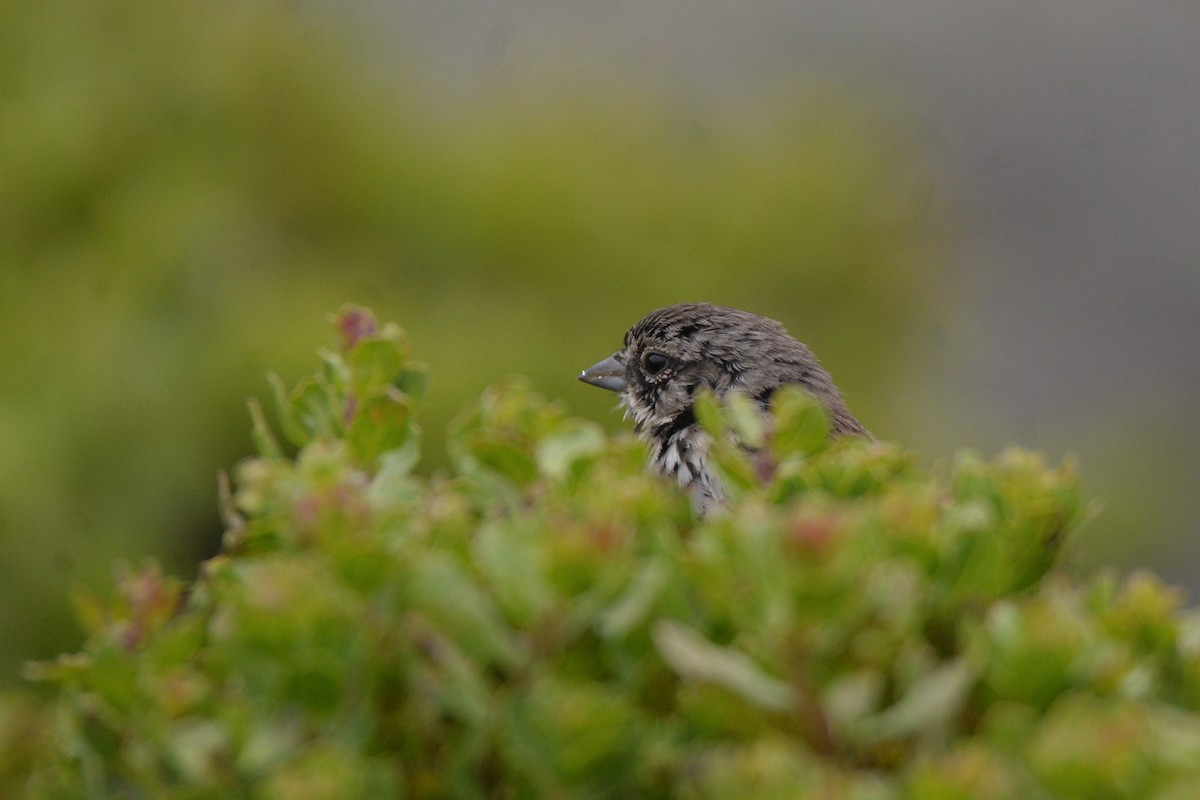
[675,351]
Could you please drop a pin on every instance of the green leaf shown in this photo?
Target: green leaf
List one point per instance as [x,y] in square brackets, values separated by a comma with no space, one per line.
[197,747]
[292,429]
[264,440]
[707,409]
[695,658]
[745,420]
[413,381]
[633,607]
[933,701]
[801,424]
[394,486]
[510,559]
[445,593]
[374,363]
[316,409]
[381,422]
[575,441]
[504,456]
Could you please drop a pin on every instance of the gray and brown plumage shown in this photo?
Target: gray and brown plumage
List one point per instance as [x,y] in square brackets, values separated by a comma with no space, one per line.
[674,351]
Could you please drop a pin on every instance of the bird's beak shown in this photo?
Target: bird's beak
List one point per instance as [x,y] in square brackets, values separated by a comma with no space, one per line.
[608,374]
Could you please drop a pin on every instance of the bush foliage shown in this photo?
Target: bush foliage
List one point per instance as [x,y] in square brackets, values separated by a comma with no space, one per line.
[548,619]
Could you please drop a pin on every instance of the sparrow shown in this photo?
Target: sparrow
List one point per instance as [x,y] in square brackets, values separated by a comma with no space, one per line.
[675,351]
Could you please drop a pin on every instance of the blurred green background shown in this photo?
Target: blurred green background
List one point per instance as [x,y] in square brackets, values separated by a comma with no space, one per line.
[187,189]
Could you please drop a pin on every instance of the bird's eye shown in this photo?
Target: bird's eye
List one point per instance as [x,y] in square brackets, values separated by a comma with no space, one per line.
[654,363]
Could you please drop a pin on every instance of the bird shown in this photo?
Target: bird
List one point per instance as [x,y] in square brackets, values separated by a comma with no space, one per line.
[675,351]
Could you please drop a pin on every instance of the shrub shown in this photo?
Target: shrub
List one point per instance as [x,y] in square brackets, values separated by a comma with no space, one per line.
[550,620]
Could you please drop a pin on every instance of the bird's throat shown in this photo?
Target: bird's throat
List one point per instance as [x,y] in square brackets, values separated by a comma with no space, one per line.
[668,430]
